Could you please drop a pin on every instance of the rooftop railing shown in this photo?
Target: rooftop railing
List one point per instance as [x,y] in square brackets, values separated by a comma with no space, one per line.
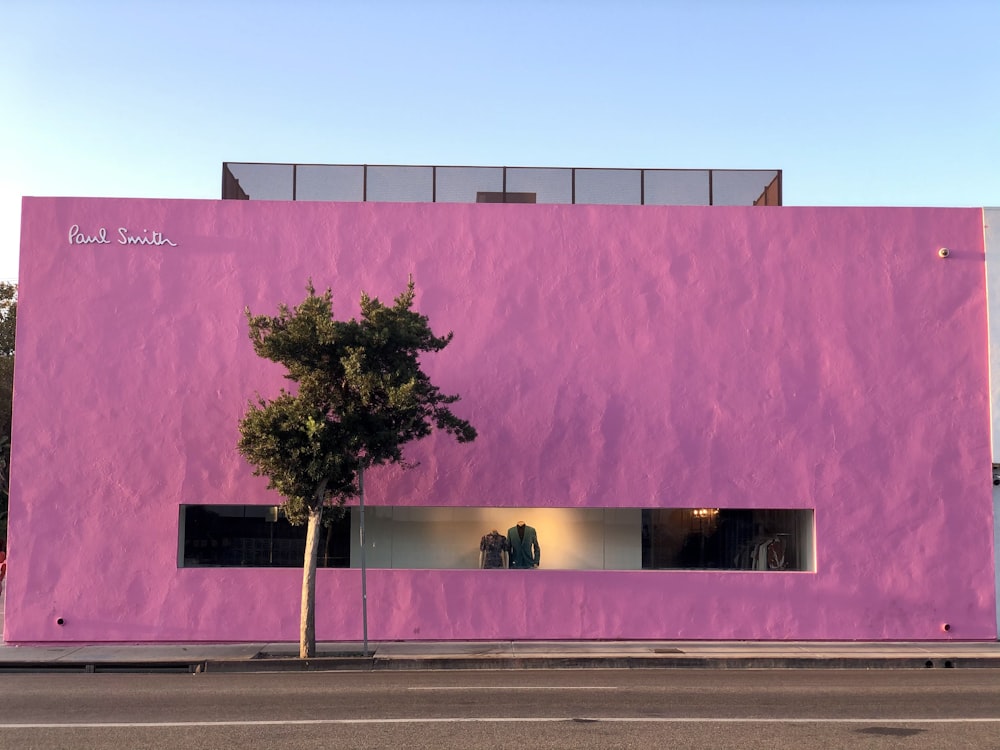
[453,184]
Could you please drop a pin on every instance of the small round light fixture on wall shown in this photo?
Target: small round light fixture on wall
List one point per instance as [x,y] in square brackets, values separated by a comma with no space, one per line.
[944,252]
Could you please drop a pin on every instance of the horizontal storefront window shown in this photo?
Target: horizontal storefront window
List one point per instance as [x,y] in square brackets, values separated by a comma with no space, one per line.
[460,538]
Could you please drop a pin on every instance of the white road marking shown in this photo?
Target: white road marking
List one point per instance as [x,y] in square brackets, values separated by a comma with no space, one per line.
[497,720]
[508,688]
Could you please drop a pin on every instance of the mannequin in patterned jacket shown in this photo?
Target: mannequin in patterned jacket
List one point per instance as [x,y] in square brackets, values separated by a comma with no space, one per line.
[493,549]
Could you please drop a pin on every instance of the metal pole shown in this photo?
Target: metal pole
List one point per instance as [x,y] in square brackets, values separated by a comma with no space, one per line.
[364,569]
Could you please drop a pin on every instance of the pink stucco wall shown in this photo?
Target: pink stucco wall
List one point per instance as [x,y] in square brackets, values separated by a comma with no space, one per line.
[609,356]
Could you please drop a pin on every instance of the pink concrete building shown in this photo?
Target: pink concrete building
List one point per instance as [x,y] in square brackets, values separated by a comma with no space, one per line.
[723,422]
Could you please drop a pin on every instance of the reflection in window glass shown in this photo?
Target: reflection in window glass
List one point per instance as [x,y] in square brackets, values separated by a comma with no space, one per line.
[726,539]
[256,536]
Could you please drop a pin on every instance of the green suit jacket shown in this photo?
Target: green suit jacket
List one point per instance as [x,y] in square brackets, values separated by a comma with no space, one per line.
[524,553]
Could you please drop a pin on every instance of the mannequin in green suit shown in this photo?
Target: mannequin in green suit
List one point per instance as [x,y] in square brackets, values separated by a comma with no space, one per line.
[524,549]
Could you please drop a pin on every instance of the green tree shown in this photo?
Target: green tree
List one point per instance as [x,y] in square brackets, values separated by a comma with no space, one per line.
[360,397]
[8,326]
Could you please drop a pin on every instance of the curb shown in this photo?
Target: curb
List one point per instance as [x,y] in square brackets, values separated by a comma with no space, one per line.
[377,664]
[290,664]
[92,667]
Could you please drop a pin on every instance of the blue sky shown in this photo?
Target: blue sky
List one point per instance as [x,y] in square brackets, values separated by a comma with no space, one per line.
[860,102]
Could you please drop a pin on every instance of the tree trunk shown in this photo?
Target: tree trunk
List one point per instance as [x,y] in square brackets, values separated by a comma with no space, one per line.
[307,620]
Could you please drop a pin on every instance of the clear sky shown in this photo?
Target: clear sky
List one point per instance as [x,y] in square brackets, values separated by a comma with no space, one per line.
[860,102]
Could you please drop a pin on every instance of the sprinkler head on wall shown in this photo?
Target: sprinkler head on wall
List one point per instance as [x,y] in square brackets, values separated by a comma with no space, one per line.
[944,252]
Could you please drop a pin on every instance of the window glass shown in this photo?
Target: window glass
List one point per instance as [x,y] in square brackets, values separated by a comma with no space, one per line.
[726,539]
[451,537]
[256,536]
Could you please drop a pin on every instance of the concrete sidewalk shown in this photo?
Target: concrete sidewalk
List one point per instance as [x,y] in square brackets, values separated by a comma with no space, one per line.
[411,655]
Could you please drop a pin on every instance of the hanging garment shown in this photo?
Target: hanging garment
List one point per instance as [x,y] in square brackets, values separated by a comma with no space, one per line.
[776,554]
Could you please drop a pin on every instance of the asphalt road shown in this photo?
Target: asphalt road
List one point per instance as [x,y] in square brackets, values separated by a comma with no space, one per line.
[542,709]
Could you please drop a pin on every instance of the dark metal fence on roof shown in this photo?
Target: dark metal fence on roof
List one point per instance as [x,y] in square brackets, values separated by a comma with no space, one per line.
[452,184]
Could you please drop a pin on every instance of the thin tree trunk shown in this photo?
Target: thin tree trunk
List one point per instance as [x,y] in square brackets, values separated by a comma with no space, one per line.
[307,620]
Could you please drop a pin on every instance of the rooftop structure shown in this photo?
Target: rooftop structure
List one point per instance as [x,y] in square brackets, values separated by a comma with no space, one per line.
[452,184]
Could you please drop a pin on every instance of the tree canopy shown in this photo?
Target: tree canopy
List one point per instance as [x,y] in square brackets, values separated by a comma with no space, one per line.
[361,395]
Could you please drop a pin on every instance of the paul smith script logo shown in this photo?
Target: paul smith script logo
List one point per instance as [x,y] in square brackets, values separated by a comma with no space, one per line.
[125,237]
